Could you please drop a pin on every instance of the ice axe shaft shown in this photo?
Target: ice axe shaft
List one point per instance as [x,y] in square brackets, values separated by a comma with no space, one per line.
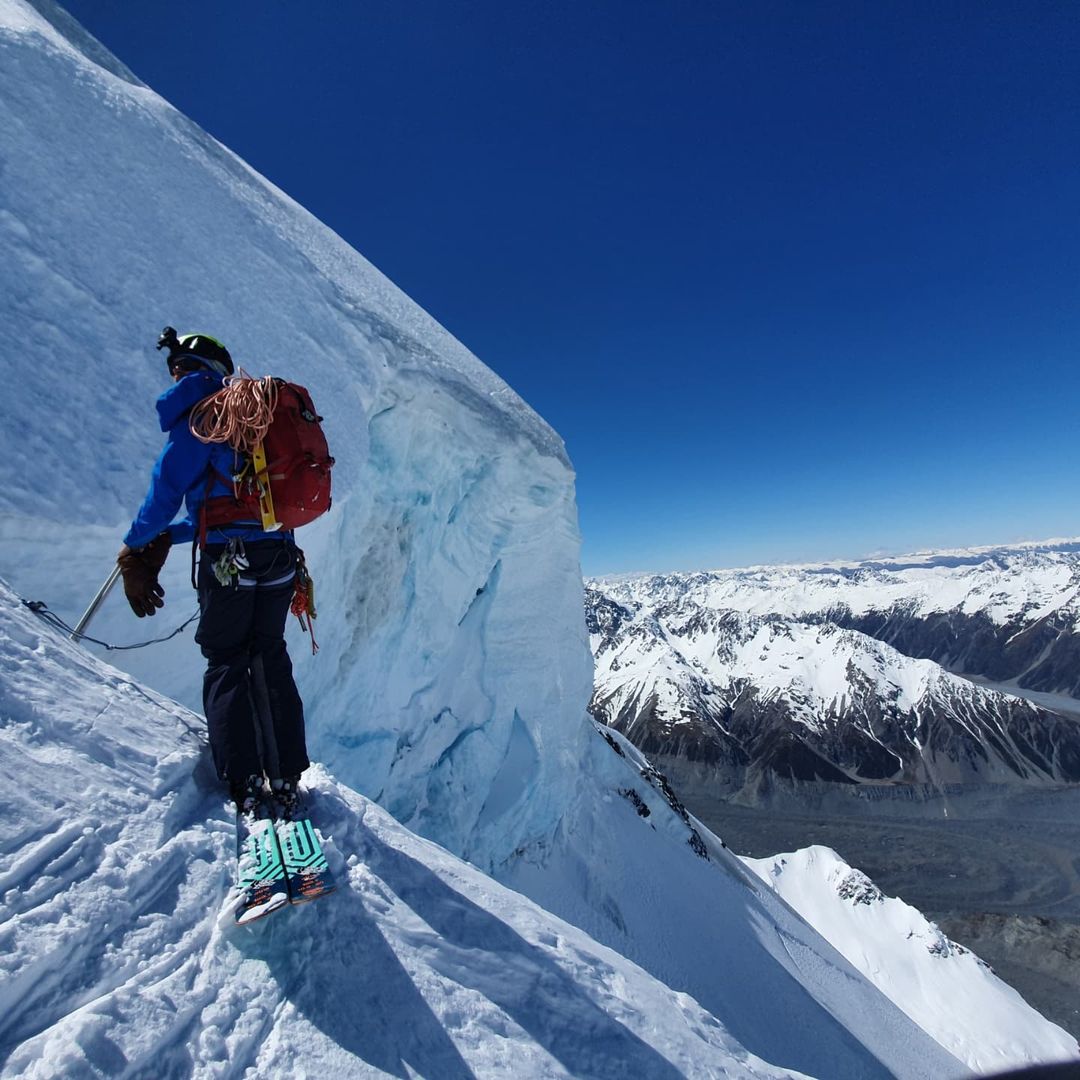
[98,600]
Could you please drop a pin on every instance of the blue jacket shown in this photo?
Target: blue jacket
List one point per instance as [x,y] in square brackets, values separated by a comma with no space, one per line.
[182,469]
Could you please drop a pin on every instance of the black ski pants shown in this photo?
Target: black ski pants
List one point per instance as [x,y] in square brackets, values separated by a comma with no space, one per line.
[253,710]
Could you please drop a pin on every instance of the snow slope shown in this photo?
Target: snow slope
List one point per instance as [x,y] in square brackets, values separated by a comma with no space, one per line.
[454,674]
[942,986]
[117,955]
[448,573]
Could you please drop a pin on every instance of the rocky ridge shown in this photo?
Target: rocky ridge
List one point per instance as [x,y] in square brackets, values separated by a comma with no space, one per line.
[845,674]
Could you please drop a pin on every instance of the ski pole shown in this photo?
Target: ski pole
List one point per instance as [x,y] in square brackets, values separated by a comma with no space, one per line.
[98,600]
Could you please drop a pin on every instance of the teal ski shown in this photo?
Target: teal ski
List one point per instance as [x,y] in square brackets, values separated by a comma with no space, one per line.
[261,875]
[306,871]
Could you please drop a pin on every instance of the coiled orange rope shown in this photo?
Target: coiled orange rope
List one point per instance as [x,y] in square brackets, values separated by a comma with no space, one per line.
[239,414]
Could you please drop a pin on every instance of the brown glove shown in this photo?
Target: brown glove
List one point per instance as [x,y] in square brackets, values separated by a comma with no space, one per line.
[139,568]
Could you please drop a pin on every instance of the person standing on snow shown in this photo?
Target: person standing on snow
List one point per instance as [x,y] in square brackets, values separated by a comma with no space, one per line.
[245,583]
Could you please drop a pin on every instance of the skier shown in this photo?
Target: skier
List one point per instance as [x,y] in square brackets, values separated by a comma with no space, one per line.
[245,584]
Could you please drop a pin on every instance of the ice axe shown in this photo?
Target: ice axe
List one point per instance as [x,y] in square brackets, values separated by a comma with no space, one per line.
[96,603]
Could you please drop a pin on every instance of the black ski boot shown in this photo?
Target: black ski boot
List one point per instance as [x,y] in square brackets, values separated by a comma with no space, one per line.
[286,793]
[248,794]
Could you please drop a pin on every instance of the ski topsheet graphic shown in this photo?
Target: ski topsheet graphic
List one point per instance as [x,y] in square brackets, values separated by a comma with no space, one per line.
[306,870]
[280,860]
[260,873]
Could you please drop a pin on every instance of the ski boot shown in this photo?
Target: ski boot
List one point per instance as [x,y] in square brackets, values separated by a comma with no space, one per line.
[248,794]
[286,793]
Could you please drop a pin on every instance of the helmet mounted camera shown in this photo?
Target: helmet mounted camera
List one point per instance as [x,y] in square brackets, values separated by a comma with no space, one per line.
[191,351]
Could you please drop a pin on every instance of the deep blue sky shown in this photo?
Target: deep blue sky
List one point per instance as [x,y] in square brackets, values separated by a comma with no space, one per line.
[793,280]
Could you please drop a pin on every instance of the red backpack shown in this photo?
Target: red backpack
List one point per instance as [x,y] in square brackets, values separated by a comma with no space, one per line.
[285,481]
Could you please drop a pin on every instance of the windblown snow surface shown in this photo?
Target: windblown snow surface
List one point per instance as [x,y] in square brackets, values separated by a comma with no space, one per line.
[870,928]
[116,846]
[451,688]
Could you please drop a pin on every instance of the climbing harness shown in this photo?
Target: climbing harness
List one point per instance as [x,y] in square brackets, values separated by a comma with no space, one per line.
[232,560]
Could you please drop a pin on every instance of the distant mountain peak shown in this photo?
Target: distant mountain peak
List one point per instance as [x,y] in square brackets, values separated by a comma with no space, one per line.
[814,674]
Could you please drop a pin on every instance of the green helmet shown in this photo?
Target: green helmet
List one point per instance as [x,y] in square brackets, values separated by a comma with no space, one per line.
[200,347]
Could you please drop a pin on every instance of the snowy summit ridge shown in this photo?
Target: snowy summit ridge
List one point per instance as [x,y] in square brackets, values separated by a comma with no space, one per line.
[942,986]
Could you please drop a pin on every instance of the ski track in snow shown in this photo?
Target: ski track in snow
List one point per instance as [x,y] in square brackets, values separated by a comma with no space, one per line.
[119,956]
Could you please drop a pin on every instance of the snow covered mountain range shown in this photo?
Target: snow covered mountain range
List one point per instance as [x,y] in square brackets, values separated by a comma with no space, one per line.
[520,894]
[841,673]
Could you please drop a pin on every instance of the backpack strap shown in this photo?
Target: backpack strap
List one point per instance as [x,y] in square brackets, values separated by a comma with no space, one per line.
[223,509]
[270,522]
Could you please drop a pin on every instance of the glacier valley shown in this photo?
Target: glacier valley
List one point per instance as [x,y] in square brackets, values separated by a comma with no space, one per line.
[915,713]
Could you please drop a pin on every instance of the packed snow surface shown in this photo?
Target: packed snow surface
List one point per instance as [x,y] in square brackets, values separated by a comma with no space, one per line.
[118,955]
[942,986]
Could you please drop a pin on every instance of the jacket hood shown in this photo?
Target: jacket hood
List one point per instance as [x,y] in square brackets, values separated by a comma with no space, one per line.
[184,395]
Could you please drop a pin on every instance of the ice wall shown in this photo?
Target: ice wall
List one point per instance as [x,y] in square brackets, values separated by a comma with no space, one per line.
[454,669]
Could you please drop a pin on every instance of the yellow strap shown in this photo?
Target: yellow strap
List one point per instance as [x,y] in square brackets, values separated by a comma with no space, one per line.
[266,501]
